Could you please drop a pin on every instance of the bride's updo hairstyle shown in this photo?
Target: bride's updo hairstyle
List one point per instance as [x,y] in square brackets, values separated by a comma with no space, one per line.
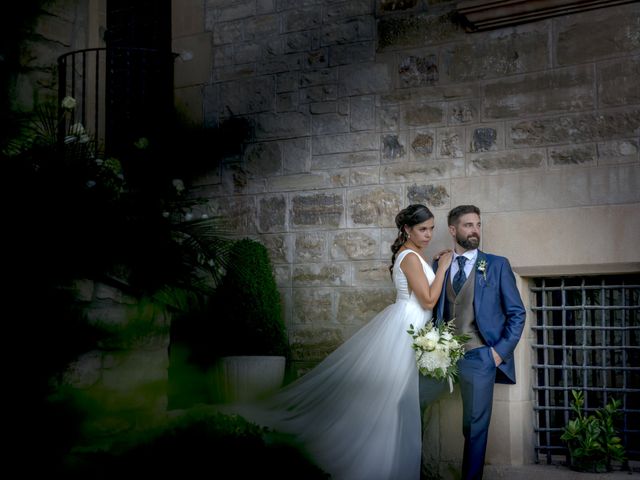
[410,216]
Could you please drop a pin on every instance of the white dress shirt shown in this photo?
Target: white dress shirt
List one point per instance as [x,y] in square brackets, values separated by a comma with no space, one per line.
[471,255]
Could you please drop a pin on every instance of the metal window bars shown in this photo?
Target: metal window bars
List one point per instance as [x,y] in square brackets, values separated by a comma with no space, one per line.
[587,337]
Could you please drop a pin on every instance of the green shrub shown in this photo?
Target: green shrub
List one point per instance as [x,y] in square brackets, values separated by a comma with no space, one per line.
[201,445]
[592,440]
[247,303]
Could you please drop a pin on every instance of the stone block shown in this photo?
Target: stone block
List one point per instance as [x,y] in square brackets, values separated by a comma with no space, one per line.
[618,151]
[364,79]
[352,53]
[487,137]
[435,93]
[463,111]
[373,206]
[298,42]
[433,195]
[224,12]
[572,155]
[224,33]
[248,95]
[389,118]
[310,247]
[302,18]
[319,108]
[318,77]
[450,142]
[393,147]
[392,6]
[311,343]
[509,161]
[261,27]
[578,128]
[360,244]
[416,30]
[282,125]
[423,144]
[317,209]
[336,11]
[239,213]
[272,211]
[308,181]
[364,176]
[345,143]
[355,29]
[423,171]
[313,306]
[318,93]
[280,247]
[321,274]
[337,160]
[619,82]
[329,123]
[358,306]
[247,52]
[263,159]
[265,6]
[222,56]
[296,155]
[563,90]
[497,54]
[287,102]
[362,110]
[597,34]
[287,81]
[428,114]
[371,273]
[282,274]
[415,71]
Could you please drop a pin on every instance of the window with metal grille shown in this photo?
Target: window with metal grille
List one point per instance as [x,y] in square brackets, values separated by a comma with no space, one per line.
[587,337]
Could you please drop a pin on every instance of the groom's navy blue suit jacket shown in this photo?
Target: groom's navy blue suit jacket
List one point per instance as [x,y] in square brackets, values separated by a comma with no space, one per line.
[499,311]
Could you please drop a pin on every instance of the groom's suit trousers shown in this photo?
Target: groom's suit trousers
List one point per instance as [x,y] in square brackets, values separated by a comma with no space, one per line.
[477,378]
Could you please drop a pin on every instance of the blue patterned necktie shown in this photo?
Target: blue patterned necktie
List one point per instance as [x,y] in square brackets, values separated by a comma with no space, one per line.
[460,277]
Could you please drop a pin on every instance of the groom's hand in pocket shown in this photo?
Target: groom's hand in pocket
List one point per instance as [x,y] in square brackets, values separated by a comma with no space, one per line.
[496,357]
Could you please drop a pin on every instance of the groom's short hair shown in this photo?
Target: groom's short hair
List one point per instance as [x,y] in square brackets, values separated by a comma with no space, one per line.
[460,210]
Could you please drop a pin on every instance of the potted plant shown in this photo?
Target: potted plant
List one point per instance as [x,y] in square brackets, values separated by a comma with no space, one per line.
[592,440]
[250,334]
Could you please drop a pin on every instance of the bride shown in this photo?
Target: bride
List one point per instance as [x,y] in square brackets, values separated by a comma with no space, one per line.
[357,412]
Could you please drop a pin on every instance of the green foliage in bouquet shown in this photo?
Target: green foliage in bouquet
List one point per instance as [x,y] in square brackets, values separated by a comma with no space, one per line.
[592,440]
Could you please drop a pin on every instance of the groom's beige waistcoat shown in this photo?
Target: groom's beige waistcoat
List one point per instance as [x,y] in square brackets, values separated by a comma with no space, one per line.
[461,309]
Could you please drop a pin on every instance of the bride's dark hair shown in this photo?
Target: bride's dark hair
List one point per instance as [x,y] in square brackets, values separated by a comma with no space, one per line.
[410,216]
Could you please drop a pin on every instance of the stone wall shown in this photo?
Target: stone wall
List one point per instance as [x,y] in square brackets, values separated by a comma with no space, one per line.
[361,107]
[62,26]
[120,386]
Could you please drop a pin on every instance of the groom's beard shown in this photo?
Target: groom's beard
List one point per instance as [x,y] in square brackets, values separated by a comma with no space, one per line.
[469,243]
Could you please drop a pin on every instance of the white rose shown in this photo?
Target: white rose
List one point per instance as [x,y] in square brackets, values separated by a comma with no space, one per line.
[68,103]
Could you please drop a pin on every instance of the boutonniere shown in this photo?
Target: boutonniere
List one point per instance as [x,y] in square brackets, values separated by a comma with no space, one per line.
[482,268]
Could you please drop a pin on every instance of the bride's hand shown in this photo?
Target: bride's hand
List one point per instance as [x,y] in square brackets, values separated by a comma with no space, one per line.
[444,259]
[440,253]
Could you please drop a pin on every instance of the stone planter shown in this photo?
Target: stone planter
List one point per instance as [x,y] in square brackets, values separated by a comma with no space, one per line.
[246,377]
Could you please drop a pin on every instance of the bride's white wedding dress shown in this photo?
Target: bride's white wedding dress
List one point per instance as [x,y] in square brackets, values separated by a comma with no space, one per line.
[357,413]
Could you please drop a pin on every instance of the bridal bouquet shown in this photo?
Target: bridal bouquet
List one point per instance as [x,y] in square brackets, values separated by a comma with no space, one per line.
[438,350]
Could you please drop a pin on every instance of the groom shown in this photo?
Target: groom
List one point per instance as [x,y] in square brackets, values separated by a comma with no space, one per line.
[480,294]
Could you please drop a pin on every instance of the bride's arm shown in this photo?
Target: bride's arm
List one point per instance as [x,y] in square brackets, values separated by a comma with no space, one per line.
[426,294]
